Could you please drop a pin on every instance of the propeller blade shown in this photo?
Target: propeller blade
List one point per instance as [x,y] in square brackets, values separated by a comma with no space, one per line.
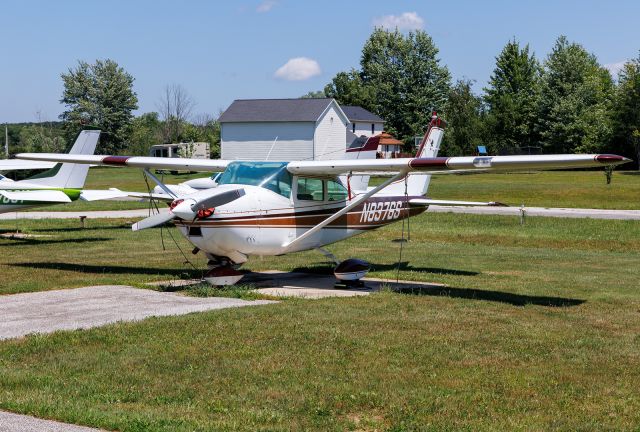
[219,199]
[152,221]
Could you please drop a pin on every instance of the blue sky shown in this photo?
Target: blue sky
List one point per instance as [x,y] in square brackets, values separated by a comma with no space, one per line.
[221,51]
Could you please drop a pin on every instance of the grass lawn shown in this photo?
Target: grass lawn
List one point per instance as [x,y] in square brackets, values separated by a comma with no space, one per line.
[538,329]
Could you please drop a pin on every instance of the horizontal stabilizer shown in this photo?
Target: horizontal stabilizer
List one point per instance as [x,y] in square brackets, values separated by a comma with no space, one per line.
[427,201]
[144,195]
[96,195]
[18,164]
[50,196]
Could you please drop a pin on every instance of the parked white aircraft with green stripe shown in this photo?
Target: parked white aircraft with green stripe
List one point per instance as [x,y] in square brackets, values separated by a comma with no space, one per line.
[61,184]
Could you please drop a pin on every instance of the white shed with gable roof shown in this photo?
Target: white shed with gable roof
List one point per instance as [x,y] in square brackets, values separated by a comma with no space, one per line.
[283,130]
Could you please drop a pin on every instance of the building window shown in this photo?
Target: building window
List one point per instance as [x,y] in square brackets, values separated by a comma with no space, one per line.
[373,128]
[353,127]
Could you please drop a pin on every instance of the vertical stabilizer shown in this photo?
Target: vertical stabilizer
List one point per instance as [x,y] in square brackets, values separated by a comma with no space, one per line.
[70,175]
[360,148]
[417,184]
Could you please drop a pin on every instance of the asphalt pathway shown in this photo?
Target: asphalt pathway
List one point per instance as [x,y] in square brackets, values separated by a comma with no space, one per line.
[81,308]
[10,422]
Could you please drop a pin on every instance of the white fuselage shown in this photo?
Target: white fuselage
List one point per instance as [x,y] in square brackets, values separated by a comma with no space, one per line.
[262,222]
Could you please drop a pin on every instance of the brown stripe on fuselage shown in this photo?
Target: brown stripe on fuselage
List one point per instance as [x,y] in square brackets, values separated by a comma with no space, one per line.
[308,219]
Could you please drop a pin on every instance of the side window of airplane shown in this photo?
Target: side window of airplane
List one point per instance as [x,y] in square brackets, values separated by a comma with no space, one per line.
[310,189]
[335,191]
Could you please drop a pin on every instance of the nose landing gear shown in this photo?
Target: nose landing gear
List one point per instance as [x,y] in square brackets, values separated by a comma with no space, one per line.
[222,271]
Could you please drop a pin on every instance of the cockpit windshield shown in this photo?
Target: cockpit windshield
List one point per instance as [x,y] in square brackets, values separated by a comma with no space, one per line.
[269,175]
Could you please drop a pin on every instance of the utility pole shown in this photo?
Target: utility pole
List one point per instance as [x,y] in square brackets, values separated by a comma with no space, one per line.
[6,140]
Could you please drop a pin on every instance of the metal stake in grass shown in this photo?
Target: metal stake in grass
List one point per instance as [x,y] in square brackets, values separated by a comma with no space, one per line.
[608,172]
[523,214]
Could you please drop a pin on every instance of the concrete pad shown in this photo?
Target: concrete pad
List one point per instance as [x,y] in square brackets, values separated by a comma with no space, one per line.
[10,422]
[315,286]
[46,312]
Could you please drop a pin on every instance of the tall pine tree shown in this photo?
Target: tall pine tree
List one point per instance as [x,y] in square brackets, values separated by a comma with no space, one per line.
[512,98]
[626,112]
[465,125]
[576,96]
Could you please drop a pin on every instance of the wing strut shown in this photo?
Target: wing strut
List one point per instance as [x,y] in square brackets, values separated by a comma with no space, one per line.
[343,211]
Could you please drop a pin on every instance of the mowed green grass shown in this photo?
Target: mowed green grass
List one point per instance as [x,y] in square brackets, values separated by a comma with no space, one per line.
[576,189]
[538,329]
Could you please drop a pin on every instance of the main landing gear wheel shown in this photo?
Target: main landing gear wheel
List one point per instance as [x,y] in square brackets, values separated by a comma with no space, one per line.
[350,271]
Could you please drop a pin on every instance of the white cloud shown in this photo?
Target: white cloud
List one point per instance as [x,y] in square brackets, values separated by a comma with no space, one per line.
[266,6]
[405,21]
[614,68]
[298,69]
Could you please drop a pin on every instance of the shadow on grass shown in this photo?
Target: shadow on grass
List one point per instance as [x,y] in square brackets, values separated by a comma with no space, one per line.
[43,241]
[495,296]
[631,173]
[327,269]
[80,229]
[110,269]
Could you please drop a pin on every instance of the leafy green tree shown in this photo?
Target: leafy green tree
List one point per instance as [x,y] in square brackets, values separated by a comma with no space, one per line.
[464,116]
[314,95]
[512,99]
[38,138]
[626,112]
[99,95]
[146,130]
[349,89]
[576,97]
[400,79]
[407,79]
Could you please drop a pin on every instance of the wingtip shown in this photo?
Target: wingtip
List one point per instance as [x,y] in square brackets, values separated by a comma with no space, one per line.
[612,159]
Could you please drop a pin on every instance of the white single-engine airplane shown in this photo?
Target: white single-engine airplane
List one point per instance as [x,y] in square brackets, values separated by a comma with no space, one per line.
[63,183]
[274,208]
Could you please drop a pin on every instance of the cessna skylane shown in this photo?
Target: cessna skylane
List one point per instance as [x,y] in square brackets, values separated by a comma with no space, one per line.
[275,208]
[63,183]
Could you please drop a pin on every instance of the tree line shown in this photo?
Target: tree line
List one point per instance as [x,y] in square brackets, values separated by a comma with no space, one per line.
[565,103]
[101,96]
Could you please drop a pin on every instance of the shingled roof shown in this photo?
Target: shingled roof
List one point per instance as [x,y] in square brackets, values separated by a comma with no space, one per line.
[275,110]
[356,113]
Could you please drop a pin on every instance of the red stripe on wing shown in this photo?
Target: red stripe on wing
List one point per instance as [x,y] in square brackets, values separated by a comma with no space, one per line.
[438,162]
[116,160]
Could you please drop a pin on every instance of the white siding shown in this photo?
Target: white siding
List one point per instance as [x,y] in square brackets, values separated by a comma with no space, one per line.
[254,141]
[331,134]
[365,128]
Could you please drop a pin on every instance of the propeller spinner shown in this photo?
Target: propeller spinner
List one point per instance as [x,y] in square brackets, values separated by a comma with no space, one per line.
[190,208]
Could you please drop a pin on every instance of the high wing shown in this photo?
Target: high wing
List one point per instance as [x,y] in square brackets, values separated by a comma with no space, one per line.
[437,165]
[50,196]
[17,164]
[208,165]
[466,164]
